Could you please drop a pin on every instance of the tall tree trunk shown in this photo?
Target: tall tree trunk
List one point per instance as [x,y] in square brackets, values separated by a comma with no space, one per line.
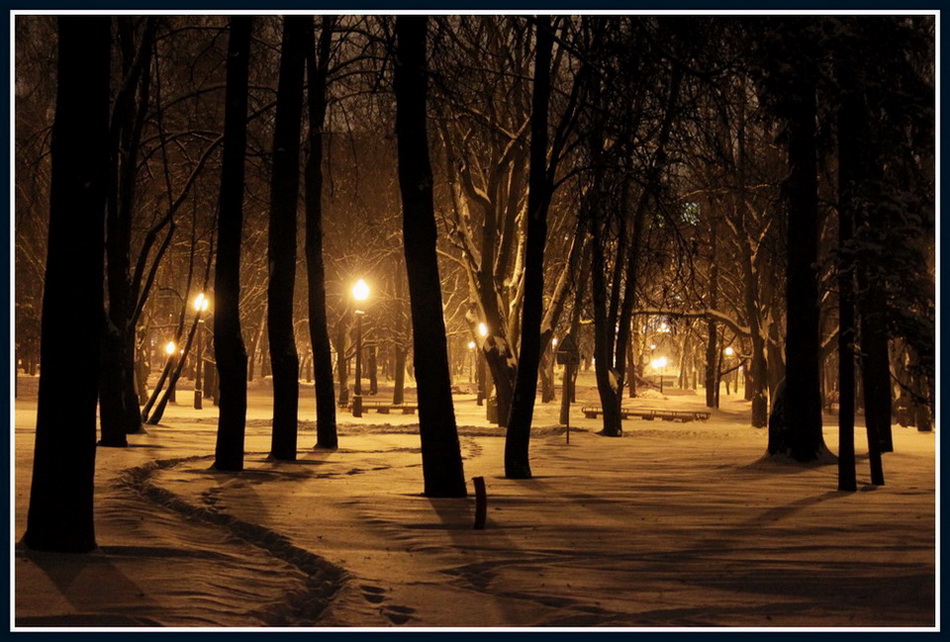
[803,440]
[229,352]
[316,275]
[875,372]
[608,387]
[850,142]
[282,236]
[119,412]
[60,516]
[441,454]
[517,462]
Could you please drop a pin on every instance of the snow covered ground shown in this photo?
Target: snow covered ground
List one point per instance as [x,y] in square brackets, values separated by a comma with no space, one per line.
[672,526]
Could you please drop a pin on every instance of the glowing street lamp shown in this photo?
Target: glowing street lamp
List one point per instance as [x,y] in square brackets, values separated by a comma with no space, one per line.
[361,291]
[171,349]
[201,305]
[730,351]
[659,364]
[360,294]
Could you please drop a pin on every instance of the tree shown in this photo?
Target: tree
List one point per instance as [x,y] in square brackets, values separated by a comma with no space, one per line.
[794,91]
[229,352]
[540,186]
[282,236]
[60,516]
[316,274]
[118,398]
[624,196]
[441,455]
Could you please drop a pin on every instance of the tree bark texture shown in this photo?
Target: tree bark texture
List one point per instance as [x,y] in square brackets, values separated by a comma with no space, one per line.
[229,352]
[517,439]
[282,236]
[60,516]
[316,275]
[441,455]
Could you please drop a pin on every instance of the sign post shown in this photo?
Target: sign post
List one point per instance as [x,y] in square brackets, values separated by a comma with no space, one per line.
[569,357]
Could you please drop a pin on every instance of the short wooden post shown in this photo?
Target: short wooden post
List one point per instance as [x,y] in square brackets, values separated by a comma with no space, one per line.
[481,502]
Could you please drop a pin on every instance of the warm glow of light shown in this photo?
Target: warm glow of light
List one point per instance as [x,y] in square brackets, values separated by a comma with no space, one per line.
[201,302]
[471,345]
[658,363]
[170,347]
[361,290]
[482,329]
[554,342]
[652,346]
[663,328]
[730,351]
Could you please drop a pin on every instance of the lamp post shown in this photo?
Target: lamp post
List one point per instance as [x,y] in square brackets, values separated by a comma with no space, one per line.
[171,350]
[201,305]
[659,364]
[360,294]
[729,352]
[482,383]
[471,368]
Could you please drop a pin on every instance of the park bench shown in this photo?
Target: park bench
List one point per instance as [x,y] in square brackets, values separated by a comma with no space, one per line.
[384,408]
[650,414]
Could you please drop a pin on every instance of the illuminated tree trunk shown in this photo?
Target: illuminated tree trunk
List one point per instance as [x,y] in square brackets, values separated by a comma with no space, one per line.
[60,516]
[517,463]
[441,455]
[229,352]
[282,236]
[316,278]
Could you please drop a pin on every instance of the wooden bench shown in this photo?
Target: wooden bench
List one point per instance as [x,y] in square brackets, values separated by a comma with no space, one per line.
[650,414]
[384,408]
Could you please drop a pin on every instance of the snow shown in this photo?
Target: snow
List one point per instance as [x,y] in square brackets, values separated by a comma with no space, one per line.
[674,526]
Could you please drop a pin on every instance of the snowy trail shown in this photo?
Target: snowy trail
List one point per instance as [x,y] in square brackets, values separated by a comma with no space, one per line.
[297,607]
[672,525]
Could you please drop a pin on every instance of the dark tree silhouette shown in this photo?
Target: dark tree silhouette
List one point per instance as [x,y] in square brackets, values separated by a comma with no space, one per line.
[803,436]
[282,236]
[794,89]
[316,276]
[851,135]
[517,463]
[119,412]
[229,352]
[60,515]
[441,455]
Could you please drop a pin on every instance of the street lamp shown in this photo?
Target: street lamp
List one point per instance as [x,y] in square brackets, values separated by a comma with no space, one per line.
[360,294]
[729,352]
[200,305]
[659,364]
[172,351]
[471,370]
[482,375]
